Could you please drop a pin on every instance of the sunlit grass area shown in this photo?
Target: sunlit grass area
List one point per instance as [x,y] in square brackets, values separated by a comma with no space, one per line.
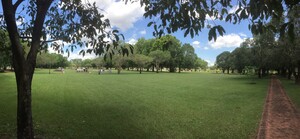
[132,105]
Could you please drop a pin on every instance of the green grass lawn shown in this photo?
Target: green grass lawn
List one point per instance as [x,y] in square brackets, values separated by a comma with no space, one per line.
[132,105]
[292,90]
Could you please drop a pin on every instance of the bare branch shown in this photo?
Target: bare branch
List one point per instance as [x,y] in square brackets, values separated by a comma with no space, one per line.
[16,5]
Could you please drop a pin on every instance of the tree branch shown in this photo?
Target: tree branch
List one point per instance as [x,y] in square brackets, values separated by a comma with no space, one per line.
[16,5]
[44,42]
[25,37]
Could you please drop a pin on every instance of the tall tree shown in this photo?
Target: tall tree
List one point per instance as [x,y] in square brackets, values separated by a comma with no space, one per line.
[241,56]
[294,17]
[223,61]
[171,44]
[45,21]
[262,51]
[189,56]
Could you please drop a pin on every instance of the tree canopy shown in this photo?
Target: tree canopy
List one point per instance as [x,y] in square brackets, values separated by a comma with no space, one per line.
[192,15]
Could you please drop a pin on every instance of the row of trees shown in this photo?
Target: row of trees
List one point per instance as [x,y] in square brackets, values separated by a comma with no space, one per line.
[165,52]
[267,52]
[263,54]
[151,54]
[47,60]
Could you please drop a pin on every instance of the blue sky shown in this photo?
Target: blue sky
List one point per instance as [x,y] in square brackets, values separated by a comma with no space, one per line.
[130,21]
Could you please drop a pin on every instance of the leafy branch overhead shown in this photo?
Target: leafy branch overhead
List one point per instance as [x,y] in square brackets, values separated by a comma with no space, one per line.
[74,24]
[192,16]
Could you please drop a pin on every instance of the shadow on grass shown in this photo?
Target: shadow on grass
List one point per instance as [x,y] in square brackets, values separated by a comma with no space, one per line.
[87,121]
[247,79]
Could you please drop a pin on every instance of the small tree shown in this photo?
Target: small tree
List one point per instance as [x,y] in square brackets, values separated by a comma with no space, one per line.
[141,61]
[118,61]
[159,57]
[98,62]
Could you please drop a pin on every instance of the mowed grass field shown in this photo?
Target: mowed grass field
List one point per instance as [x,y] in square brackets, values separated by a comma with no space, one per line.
[132,105]
[292,90]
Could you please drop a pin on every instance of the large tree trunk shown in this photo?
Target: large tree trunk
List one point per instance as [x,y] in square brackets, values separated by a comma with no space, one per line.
[24,113]
[140,70]
[179,71]
[172,68]
[157,67]
[153,68]
[119,70]
[259,73]
[24,67]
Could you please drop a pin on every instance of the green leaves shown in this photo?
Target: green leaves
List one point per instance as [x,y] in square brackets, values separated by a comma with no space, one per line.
[149,24]
[212,34]
[190,16]
[175,15]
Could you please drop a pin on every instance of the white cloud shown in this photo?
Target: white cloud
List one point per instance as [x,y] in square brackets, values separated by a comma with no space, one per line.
[132,41]
[143,32]
[59,42]
[205,48]
[242,35]
[196,44]
[51,50]
[121,15]
[231,40]
[78,56]
[207,17]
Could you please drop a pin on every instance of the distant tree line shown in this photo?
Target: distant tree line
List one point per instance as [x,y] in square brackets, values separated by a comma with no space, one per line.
[152,55]
[51,60]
